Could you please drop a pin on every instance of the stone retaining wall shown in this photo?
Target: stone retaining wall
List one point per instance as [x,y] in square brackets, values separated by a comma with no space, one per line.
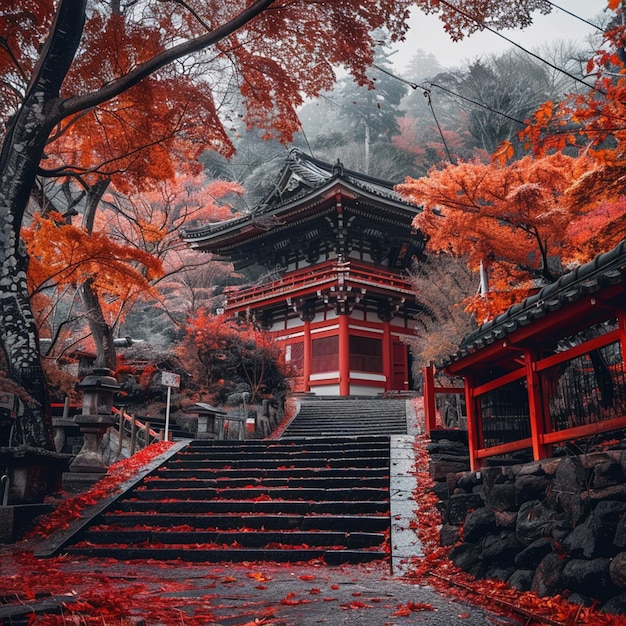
[556,526]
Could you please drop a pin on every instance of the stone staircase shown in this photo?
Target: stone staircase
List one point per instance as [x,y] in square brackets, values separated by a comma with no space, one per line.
[332,417]
[283,500]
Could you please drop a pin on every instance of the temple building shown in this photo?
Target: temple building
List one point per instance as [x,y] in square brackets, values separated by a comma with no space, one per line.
[331,249]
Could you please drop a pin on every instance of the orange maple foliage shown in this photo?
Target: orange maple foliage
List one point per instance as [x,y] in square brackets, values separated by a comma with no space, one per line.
[62,254]
[593,124]
[511,218]
[222,353]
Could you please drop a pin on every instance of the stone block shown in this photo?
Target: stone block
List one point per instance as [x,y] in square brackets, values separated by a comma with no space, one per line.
[465,556]
[593,538]
[617,570]
[531,487]
[570,481]
[440,467]
[547,578]
[478,524]
[454,510]
[500,497]
[506,519]
[497,572]
[521,579]
[501,549]
[590,577]
[449,535]
[469,480]
[616,605]
[607,474]
[532,555]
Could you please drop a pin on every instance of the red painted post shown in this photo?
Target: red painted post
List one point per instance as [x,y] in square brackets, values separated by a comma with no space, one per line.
[621,320]
[387,364]
[474,428]
[535,408]
[306,365]
[429,398]
[344,355]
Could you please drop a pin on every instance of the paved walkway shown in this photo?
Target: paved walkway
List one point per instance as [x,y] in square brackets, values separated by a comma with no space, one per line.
[156,593]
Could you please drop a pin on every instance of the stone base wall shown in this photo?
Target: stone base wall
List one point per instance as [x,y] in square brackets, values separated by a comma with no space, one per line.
[556,526]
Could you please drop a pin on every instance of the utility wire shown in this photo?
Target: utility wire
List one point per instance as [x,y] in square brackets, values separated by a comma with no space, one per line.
[402,80]
[582,19]
[532,54]
[427,94]
[479,104]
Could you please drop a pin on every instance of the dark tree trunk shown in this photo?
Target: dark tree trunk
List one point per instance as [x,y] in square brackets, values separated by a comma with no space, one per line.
[101,332]
[19,162]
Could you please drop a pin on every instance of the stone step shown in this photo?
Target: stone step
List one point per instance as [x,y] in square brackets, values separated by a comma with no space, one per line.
[279,494]
[317,429]
[259,507]
[164,481]
[348,417]
[223,538]
[162,521]
[346,443]
[286,501]
[233,555]
[246,473]
[302,454]
[334,462]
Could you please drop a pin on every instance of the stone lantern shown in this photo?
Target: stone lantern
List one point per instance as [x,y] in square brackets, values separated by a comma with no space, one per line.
[210,421]
[98,389]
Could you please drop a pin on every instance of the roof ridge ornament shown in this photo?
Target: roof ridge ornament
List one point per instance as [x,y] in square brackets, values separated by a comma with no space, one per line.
[338,168]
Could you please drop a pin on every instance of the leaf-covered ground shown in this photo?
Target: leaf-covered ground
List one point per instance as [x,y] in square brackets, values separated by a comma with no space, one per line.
[107,592]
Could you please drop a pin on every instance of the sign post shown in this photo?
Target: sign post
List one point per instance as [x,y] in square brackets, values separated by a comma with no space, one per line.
[169,380]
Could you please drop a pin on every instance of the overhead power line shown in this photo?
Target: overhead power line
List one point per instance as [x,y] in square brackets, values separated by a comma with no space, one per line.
[479,104]
[581,19]
[532,54]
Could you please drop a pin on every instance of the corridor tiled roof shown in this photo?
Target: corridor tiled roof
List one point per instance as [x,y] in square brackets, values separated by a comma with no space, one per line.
[606,269]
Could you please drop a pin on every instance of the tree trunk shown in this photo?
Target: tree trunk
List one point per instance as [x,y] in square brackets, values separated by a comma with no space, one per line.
[19,161]
[101,332]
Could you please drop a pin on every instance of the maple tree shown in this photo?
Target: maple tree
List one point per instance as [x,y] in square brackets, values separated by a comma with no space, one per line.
[152,221]
[511,218]
[592,123]
[63,255]
[527,221]
[226,356]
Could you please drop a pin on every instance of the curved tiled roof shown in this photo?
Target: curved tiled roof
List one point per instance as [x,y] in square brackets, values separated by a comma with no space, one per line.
[319,172]
[314,174]
[606,269]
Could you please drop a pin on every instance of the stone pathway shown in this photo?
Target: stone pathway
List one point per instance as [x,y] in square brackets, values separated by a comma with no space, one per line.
[152,592]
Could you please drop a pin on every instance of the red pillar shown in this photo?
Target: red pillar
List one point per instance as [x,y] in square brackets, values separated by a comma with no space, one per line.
[429,399]
[344,355]
[306,365]
[621,320]
[535,408]
[474,424]
[387,363]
